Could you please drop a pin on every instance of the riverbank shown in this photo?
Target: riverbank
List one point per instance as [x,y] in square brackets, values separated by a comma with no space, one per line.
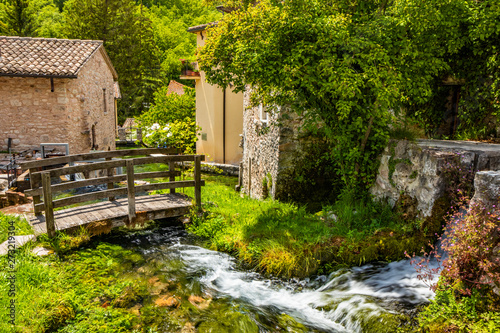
[156,279]
[285,240]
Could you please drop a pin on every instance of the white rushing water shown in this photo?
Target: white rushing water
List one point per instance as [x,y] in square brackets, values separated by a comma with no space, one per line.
[330,304]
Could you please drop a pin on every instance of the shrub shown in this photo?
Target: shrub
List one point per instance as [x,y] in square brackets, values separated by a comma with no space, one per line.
[171,121]
[472,246]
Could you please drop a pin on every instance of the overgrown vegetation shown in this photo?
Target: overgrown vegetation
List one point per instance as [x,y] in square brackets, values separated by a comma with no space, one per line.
[357,67]
[171,121]
[286,240]
[467,291]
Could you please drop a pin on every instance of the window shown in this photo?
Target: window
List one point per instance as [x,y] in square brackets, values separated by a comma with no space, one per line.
[104,100]
[264,117]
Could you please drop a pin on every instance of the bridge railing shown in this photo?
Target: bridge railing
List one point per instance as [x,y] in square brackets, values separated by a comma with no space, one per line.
[41,184]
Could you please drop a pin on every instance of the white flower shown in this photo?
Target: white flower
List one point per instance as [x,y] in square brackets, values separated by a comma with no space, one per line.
[169,135]
[155,126]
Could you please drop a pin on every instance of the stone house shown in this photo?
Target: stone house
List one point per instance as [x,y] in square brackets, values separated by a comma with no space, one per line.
[58,91]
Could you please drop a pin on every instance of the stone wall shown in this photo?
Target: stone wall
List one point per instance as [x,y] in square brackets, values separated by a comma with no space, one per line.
[86,96]
[280,160]
[32,114]
[261,154]
[413,169]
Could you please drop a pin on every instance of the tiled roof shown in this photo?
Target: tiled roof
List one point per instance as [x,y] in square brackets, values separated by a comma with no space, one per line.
[175,87]
[201,27]
[49,57]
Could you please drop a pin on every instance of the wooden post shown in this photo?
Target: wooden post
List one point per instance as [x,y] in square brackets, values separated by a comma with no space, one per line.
[47,201]
[36,198]
[131,191]
[197,182]
[110,172]
[171,168]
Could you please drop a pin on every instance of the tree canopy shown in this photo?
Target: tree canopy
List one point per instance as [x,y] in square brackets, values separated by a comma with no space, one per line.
[353,65]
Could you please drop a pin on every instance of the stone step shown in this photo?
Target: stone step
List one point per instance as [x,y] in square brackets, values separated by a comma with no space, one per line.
[19,241]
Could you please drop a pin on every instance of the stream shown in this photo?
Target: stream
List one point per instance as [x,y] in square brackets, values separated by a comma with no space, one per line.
[371,298]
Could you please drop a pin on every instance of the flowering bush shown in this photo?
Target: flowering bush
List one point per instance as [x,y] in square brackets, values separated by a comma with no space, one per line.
[180,134]
[470,241]
[171,121]
[472,244]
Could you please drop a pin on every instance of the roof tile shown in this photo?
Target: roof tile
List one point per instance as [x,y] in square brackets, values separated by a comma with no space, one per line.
[24,56]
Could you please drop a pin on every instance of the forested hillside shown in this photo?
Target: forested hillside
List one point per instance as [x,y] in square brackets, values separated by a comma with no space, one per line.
[144,39]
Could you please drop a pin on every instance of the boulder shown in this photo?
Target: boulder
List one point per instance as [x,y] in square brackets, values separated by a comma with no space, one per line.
[487,189]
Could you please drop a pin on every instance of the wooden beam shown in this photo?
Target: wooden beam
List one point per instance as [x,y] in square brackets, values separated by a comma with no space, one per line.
[114,164]
[81,168]
[77,184]
[85,197]
[131,191]
[100,180]
[49,208]
[96,155]
[197,182]
[171,168]
[36,198]
[167,186]
[110,185]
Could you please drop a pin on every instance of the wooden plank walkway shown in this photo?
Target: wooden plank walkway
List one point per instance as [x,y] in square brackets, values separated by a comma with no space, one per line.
[102,216]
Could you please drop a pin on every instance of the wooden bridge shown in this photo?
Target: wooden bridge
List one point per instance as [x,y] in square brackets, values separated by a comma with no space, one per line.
[114,211]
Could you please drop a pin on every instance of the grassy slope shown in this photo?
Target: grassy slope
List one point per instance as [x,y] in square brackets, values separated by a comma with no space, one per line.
[283,239]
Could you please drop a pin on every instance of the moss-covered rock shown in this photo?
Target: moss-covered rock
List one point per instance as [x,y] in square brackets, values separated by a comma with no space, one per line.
[229,322]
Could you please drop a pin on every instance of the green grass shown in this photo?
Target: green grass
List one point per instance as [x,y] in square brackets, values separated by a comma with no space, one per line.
[286,240]
[52,293]
[21,226]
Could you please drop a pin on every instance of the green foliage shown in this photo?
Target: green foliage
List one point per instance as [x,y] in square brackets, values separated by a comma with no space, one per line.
[449,313]
[55,294]
[359,217]
[171,121]
[17,19]
[171,19]
[470,243]
[30,18]
[128,39]
[356,64]
[330,60]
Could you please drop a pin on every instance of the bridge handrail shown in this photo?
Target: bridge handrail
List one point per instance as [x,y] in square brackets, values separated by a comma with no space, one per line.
[96,155]
[41,183]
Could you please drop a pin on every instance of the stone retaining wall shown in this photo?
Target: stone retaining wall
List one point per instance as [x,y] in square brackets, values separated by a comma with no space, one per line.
[413,169]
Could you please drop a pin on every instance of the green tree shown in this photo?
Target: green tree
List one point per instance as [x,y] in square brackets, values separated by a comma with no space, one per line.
[357,65]
[35,18]
[329,58]
[170,20]
[127,36]
[17,19]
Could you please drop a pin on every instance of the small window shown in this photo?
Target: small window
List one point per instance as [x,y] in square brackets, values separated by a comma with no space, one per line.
[264,117]
[104,100]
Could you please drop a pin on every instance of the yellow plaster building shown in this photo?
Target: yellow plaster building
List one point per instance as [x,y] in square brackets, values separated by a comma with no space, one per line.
[219,113]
